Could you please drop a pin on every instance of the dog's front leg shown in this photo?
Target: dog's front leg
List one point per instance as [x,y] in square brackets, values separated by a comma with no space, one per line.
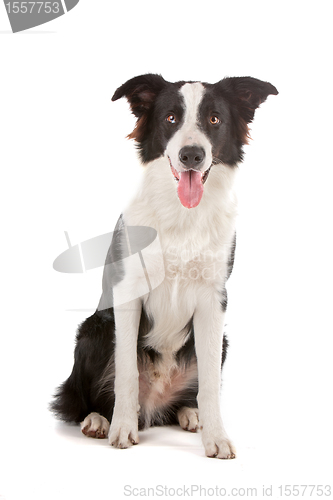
[124,425]
[208,332]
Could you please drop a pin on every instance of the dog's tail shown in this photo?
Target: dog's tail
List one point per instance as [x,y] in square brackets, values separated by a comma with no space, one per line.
[69,404]
[78,395]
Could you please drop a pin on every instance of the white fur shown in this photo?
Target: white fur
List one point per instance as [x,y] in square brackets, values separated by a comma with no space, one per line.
[196,246]
[124,426]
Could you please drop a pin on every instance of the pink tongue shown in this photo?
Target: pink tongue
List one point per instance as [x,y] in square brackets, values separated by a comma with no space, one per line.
[190,188]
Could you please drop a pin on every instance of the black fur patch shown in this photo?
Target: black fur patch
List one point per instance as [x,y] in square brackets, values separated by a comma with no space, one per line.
[78,395]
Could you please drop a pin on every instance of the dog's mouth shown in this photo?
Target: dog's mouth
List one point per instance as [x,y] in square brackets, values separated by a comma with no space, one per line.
[190,185]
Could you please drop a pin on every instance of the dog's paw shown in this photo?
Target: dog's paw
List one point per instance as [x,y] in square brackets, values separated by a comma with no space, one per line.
[96,426]
[217,445]
[188,418]
[123,434]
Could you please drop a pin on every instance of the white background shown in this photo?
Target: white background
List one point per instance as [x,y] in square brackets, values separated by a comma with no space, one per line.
[66,166]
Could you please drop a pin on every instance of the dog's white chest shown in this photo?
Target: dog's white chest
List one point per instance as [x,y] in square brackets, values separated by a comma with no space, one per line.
[172,303]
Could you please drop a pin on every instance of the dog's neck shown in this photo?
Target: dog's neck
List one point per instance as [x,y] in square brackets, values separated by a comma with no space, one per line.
[157,204]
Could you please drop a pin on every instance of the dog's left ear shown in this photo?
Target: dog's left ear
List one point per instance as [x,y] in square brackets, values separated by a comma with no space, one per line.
[246,93]
[141,92]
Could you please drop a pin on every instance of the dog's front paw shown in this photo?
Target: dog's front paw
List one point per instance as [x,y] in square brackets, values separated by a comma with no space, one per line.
[123,433]
[217,445]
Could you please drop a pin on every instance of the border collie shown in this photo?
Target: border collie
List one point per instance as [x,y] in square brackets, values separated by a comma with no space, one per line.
[153,356]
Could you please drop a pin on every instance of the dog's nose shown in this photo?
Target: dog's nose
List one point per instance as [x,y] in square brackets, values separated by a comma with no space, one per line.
[192,157]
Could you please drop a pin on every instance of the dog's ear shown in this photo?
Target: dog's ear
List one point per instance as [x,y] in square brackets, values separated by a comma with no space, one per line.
[247,94]
[141,92]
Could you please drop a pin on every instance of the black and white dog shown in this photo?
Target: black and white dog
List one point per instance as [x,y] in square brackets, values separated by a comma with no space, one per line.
[153,356]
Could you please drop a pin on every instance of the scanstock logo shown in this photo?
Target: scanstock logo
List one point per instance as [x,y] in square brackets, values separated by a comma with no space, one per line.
[24,15]
[135,248]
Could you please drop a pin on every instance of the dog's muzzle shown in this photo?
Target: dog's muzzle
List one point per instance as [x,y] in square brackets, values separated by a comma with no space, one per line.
[190,178]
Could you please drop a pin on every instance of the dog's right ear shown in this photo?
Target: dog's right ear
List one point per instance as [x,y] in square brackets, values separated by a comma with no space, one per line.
[141,92]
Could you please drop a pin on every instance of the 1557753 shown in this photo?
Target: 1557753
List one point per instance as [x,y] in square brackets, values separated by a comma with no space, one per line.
[33,7]
[307,490]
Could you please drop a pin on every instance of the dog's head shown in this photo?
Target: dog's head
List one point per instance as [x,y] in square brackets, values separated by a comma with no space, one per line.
[195,125]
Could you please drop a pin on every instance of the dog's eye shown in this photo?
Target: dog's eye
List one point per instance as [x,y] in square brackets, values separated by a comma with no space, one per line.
[171,119]
[214,120]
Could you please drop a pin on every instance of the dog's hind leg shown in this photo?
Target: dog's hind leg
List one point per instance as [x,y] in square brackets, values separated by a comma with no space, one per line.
[188,418]
[79,395]
[95,425]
